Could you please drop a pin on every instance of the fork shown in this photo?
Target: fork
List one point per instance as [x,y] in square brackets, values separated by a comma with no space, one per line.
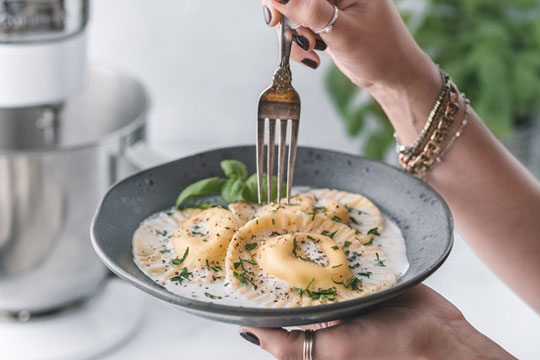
[278,102]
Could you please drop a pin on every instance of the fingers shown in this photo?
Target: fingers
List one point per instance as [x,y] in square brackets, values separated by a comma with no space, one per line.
[313,14]
[310,59]
[304,38]
[281,343]
[272,17]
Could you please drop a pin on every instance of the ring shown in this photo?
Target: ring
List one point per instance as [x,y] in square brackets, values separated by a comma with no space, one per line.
[294,27]
[308,345]
[328,28]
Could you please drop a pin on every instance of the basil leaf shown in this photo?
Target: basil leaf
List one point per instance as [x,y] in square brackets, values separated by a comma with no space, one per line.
[232,190]
[234,169]
[250,191]
[200,188]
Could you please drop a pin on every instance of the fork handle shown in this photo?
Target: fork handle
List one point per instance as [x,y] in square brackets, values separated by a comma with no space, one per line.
[285,41]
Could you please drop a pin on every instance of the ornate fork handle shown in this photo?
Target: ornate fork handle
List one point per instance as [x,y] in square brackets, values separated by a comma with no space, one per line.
[282,75]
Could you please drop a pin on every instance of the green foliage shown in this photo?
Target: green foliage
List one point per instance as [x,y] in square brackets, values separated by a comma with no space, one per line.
[490,48]
[233,188]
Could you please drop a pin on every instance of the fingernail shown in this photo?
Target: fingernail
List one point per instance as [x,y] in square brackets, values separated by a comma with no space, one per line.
[302,41]
[282,1]
[267,14]
[320,45]
[308,62]
[250,337]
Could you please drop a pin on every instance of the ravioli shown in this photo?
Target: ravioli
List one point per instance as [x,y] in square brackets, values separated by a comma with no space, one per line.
[323,247]
[287,260]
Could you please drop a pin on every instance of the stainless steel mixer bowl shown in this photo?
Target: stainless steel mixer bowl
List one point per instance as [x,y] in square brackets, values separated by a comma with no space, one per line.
[56,162]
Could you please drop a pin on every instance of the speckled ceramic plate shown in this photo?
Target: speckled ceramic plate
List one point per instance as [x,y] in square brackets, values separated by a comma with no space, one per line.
[421,214]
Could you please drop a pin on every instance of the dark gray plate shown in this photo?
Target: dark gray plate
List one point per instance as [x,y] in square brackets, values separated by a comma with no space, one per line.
[421,214]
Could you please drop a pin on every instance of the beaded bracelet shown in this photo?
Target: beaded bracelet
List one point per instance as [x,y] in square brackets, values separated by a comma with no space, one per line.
[457,134]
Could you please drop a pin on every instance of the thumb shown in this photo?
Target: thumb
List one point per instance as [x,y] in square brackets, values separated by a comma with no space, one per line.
[282,344]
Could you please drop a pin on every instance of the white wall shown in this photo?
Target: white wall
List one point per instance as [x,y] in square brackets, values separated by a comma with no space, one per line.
[205,64]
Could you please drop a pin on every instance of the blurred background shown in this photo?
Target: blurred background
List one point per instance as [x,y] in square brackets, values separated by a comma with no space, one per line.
[203,64]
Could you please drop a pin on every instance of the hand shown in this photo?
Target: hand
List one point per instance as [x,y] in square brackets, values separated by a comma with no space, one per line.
[369,42]
[419,324]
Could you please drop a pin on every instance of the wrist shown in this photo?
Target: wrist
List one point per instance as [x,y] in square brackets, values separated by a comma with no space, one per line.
[408,101]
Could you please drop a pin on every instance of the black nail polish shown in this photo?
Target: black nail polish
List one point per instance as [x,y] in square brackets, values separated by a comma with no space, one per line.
[250,337]
[267,14]
[302,41]
[320,45]
[282,1]
[308,62]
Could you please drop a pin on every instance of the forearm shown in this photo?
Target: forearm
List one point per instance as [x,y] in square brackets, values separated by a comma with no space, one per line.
[494,200]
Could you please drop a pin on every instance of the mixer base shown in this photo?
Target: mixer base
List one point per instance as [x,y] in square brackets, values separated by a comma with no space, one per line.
[99,325]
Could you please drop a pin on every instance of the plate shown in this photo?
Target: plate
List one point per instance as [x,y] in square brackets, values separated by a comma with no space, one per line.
[421,214]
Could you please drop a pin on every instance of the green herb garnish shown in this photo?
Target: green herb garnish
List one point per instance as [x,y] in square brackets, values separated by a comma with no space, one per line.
[379,261]
[337,219]
[213,297]
[183,275]
[251,246]
[295,247]
[178,261]
[374,231]
[347,244]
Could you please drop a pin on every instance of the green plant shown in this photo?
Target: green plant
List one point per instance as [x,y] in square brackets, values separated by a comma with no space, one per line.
[490,48]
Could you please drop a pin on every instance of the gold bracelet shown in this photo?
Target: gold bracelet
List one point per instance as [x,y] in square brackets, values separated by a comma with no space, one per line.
[409,151]
[420,162]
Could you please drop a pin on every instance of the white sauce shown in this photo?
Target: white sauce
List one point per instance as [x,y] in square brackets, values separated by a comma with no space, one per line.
[156,231]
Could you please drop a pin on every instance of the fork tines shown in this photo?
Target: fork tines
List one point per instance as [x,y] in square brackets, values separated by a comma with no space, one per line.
[284,112]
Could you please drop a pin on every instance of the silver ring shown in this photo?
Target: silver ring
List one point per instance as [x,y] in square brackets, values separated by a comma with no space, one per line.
[328,28]
[308,345]
[294,27]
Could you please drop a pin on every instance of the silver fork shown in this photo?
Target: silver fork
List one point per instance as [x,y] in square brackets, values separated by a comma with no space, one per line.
[279,102]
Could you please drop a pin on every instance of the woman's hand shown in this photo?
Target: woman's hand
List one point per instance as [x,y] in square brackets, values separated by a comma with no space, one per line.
[419,324]
[372,46]
[369,42]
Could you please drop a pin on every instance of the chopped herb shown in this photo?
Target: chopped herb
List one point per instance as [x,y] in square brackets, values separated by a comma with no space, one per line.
[336,266]
[312,215]
[207,265]
[273,222]
[337,219]
[349,209]
[355,266]
[353,256]
[354,283]
[379,261]
[354,221]
[164,251]
[347,244]
[327,233]
[170,213]
[312,238]
[277,209]
[275,233]
[178,261]
[243,279]
[251,246]
[226,284]
[295,247]
[163,233]
[335,247]
[320,208]
[374,231]
[366,274]
[213,297]
[216,268]
[184,275]
[324,294]
[370,241]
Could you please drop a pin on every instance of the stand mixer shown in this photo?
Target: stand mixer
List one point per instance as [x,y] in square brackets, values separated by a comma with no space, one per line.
[65,133]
